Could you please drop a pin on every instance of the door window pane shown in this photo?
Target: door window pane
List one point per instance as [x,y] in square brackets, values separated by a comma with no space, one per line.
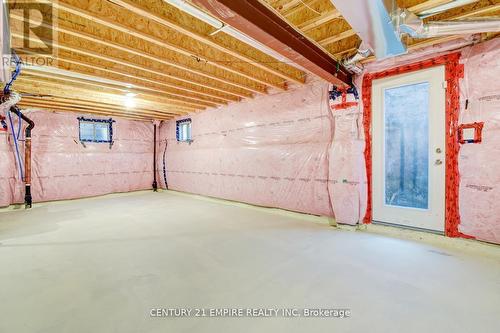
[406,128]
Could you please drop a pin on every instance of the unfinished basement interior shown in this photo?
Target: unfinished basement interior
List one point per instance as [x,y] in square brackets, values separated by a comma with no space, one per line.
[250,166]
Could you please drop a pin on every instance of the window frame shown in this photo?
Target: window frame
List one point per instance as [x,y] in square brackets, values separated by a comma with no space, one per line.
[95,121]
[178,125]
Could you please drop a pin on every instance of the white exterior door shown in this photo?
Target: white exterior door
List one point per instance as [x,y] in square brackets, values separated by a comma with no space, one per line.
[408,151]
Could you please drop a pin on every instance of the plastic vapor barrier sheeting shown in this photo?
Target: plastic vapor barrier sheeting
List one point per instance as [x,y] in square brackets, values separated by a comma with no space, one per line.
[269,151]
[63,168]
[479,191]
[290,150]
[479,163]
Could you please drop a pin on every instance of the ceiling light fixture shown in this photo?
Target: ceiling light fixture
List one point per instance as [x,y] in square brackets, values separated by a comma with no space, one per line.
[129,100]
[130,103]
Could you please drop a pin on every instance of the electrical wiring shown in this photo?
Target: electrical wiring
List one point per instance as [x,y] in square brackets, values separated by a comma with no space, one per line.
[164,165]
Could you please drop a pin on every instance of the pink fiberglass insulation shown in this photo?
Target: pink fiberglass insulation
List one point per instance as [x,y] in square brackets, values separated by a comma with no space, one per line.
[270,151]
[479,163]
[347,172]
[285,151]
[64,169]
[8,184]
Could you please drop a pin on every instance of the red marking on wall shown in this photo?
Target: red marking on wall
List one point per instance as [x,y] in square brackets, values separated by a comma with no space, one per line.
[344,104]
[453,72]
[478,130]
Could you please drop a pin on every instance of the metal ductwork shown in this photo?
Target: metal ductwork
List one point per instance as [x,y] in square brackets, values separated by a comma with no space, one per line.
[442,8]
[380,24]
[371,19]
[411,24]
[353,64]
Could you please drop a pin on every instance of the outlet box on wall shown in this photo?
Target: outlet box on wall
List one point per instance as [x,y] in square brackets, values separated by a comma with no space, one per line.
[470,133]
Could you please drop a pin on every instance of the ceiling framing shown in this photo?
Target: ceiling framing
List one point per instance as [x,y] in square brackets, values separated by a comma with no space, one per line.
[168,58]
[323,24]
[176,63]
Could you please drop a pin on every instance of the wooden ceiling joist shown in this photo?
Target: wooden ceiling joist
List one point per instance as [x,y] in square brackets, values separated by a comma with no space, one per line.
[290,4]
[62,103]
[97,51]
[426,5]
[99,112]
[303,5]
[95,39]
[63,90]
[121,89]
[261,23]
[176,64]
[68,61]
[83,109]
[175,19]
[71,101]
[118,18]
[92,67]
[141,98]
[318,21]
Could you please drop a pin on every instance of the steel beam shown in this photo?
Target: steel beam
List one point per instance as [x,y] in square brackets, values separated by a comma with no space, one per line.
[259,22]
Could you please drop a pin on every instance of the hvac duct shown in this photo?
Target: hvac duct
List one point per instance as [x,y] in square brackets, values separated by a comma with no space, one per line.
[371,19]
[409,23]
[405,22]
[442,8]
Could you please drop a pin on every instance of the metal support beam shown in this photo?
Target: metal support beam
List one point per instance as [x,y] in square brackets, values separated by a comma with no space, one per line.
[260,23]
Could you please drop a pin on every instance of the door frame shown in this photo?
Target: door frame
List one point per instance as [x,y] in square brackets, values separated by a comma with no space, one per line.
[454,71]
[431,218]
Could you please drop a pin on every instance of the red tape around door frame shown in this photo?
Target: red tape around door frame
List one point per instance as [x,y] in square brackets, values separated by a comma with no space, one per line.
[454,72]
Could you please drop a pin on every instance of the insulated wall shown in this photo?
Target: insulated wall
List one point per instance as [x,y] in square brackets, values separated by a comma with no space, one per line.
[270,151]
[289,151]
[479,163]
[63,168]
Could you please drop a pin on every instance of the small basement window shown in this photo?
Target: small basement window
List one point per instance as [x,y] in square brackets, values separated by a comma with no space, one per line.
[96,130]
[183,130]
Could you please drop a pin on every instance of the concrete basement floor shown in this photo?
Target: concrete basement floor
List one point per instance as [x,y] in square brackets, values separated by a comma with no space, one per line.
[101,264]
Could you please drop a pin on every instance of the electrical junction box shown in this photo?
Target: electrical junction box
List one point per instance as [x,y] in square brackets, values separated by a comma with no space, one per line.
[470,133]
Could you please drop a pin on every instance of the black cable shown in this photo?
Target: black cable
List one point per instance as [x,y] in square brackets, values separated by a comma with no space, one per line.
[164,166]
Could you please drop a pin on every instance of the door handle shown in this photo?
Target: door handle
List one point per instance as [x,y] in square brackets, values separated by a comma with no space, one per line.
[438,162]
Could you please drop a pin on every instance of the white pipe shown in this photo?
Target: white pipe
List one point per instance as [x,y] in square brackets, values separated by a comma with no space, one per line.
[414,26]
[445,28]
